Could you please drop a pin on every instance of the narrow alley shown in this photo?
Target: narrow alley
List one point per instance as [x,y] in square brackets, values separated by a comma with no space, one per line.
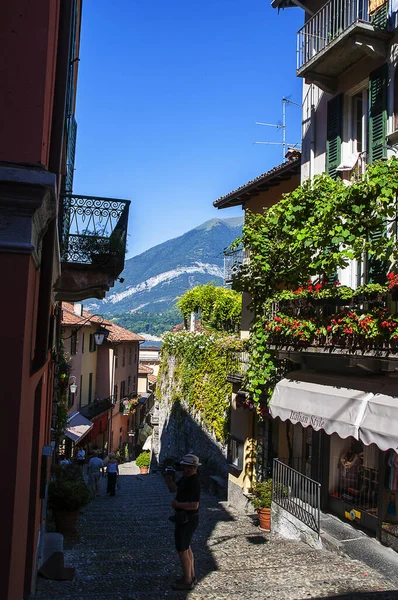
[125,551]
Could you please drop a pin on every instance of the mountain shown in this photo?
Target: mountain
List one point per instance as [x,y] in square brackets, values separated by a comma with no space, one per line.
[154,279]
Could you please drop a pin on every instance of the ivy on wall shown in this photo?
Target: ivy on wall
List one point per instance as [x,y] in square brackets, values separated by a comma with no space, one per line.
[199,377]
[295,249]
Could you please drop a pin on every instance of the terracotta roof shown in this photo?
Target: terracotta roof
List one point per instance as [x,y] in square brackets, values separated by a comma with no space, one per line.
[145,369]
[116,333]
[152,378]
[263,182]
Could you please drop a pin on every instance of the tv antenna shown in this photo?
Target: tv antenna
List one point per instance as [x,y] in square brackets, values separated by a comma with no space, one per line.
[282,127]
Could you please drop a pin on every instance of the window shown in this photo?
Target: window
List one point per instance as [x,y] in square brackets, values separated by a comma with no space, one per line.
[83,343]
[73,342]
[115,392]
[129,385]
[92,346]
[124,357]
[90,387]
[70,398]
[235,453]
[130,354]
[116,357]
[122,389]
[121,430]
[80,391]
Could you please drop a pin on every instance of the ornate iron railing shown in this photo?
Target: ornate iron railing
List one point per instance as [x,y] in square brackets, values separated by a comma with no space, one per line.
[330,22]
[94,230]
[297,494]
[97,407]
[237,366]
[233,261]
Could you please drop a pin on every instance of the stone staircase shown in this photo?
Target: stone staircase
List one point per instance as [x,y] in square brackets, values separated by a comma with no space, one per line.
[125,551]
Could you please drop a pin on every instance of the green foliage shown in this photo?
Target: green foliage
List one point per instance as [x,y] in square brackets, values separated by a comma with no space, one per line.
[314,230]
[219,308]
[152,323]
[67,490]
[143,459]
[262,494]
[199,377]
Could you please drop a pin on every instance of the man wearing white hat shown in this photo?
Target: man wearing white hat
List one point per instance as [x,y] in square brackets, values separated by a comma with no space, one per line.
[186,505]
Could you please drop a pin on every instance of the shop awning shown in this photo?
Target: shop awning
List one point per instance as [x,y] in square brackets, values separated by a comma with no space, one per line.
[334,403]
[380,420]
[77,427]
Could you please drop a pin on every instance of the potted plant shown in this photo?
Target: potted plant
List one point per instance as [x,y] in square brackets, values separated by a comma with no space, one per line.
[67,495]
[261,500]
[143,460]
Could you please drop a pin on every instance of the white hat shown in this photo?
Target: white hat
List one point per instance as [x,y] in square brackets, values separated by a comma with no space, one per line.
[190,460]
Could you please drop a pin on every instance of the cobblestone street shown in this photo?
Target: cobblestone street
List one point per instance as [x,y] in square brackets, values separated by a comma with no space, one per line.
[125,552]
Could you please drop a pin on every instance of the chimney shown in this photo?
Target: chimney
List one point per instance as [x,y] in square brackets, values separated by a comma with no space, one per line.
[78,309]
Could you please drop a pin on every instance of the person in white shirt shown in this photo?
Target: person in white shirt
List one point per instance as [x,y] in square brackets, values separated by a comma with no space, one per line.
[81,457]
[95,466]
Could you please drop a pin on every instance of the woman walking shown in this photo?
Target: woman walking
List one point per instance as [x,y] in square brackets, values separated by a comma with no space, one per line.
[112,472]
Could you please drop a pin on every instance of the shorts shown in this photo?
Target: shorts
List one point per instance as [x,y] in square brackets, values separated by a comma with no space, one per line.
[94,478]
[183,533]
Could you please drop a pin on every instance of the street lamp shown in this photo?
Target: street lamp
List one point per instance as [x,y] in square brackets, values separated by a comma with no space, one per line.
[100,335]
[73,386]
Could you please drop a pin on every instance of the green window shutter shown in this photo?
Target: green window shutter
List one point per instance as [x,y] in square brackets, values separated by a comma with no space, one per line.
[378,113]
[377,269]
[334,135]
[379,18]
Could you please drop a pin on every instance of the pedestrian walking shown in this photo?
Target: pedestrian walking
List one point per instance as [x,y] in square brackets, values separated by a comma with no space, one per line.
[81,457]
[186,506]
[95,465]
[112,471]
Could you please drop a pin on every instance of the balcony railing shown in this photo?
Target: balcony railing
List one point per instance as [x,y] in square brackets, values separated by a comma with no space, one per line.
[237,366]
[331,22]
[297,494]
[233,261]
[93,230]
[97,407]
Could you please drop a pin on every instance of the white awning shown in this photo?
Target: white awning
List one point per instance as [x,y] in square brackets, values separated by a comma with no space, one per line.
[77,427]
[380,421]
[334,403]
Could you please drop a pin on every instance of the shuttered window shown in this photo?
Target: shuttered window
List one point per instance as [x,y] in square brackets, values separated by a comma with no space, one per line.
[377,269]
[378,113]
[334,135]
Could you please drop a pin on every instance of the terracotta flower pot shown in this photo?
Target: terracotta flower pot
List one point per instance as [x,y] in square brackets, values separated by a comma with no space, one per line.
[144,470]
[264,515]
[65,521]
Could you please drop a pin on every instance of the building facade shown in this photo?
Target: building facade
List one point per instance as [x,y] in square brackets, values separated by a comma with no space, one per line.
[43,257]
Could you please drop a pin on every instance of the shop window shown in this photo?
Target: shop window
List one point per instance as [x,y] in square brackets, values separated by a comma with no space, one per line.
[73,342]
[235,453]
[353,474]
[92,345]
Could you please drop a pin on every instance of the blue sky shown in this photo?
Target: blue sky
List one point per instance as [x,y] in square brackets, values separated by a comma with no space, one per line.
[168,95]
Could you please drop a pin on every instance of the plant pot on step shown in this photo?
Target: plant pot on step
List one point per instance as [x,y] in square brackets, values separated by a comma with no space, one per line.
[144,470]
[65,521]
[264,515]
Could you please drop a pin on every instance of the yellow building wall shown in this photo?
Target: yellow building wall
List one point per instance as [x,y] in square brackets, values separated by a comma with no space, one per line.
[242,425]
[89,365]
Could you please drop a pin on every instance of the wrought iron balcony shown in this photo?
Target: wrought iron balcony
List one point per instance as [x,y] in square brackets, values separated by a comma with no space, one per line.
[337,37]
[237,366]
[97,407]
[93,235]
[233,261]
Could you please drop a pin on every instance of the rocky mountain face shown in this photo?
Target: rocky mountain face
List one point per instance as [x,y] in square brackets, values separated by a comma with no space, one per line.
[154,279]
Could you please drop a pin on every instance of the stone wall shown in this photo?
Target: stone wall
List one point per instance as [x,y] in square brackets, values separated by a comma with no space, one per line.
[181,432]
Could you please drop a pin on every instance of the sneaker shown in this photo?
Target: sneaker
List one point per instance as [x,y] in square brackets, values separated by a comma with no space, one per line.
[182,585]
[181,580]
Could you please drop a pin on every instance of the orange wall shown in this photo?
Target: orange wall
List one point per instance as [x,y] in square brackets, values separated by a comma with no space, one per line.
[29,34]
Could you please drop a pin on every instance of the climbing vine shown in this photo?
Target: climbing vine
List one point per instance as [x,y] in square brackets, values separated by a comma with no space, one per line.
[219,308]
[295,249]
[199,377]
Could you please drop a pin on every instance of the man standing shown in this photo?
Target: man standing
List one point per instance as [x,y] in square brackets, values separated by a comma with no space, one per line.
[95,465]
[81,457]
[186,505]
